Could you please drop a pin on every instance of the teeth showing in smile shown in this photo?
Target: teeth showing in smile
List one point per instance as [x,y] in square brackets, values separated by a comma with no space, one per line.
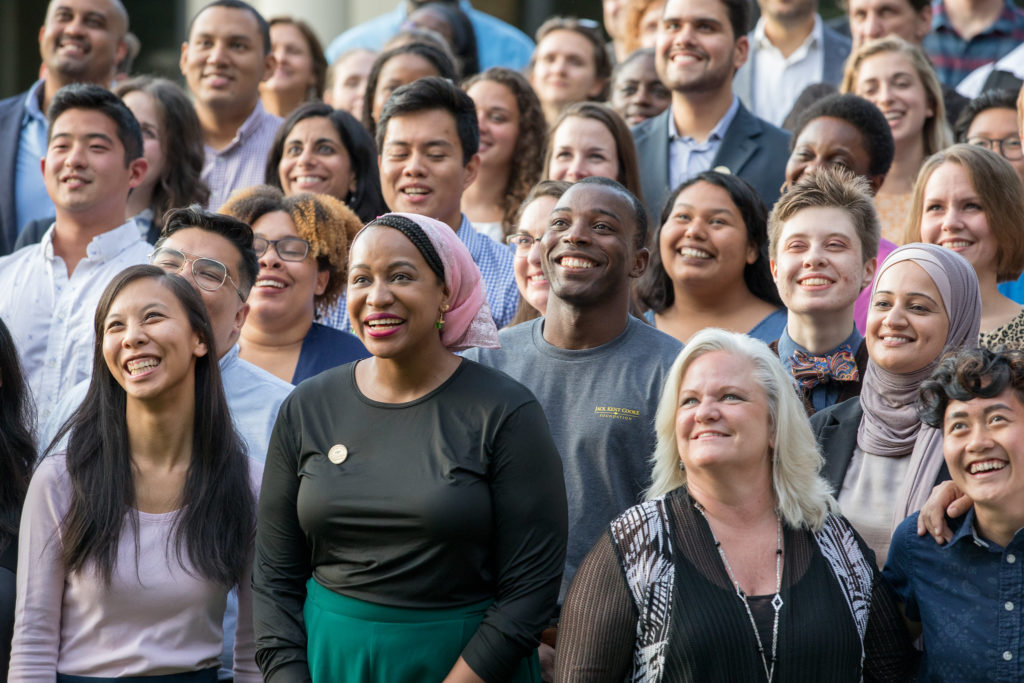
[573,262]
[956,244]
[308,179]
[691,252]
[893,115]
[986,466]
[270,283]
[536,279]
[381,323]
[896,339]
[138,366]
[415,191]
[815,281]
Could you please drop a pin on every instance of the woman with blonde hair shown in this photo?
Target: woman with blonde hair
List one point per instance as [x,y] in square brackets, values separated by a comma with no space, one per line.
[897,77]
[970,200]
[739,515]
[640,26]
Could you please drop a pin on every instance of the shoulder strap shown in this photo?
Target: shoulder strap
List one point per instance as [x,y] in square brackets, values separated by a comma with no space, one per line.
[851,569]
[642,539]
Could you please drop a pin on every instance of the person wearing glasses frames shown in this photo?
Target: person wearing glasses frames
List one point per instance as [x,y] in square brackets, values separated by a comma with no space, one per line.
[990,121]
[302,245]
[531,225]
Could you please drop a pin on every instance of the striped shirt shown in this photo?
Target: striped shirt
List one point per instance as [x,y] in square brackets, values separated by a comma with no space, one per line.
[954,58]
[243,162]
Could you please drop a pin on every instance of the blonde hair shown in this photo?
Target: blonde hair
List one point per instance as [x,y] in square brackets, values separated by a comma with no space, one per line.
[802,495]
[936,132]
[1001,194]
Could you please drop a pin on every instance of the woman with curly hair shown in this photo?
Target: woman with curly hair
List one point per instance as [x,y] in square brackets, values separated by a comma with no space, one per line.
[513,134]
[172,144]
[302,245]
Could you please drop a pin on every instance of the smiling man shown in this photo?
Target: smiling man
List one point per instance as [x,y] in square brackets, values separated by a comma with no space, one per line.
[81,42]
[700,46]
[226,57]
[596,370]
[967,594]
[93,159]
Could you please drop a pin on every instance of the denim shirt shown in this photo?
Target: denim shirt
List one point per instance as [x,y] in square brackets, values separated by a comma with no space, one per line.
[968,596]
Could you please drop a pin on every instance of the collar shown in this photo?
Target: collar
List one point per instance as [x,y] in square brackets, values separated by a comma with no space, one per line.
[248,127]
[717,133]
[33,110]
[103,247]
[787,347]
[229,358]
[815,38]
[465,228]
[968,532]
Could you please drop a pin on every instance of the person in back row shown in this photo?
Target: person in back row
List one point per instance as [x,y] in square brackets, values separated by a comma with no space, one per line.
[822,239]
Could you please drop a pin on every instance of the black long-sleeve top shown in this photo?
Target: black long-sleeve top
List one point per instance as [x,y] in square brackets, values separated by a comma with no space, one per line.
[445,501]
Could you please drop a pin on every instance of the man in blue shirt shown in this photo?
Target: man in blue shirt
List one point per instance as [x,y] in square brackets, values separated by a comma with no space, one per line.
[968,594]
[81,42]
[498,43]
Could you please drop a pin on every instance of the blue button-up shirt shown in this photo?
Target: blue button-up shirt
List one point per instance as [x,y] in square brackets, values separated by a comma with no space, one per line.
[687,156]
[31,200]
[968,596]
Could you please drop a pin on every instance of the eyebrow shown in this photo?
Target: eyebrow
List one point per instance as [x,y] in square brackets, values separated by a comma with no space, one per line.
[990,409]
[920,294]
[87,136]
[391,266]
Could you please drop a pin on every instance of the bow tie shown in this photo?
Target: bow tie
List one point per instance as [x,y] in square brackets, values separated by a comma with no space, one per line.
[810,370]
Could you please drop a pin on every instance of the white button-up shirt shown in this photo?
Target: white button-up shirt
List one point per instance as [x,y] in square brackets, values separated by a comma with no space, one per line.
[779,80]
[50,315]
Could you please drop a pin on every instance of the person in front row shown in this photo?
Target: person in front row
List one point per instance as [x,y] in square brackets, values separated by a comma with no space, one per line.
[132,538]
[966,595]
[822,238]
[738,567]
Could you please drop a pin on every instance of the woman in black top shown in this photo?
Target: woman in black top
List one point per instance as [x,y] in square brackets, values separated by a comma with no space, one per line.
[413,510]
[737,568]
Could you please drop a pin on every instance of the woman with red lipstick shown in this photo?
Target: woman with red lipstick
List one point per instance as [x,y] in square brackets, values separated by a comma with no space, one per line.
[302,245]
[131,540]
[709,267]
[413,506]
[880,461]
[513,133]
[970,199]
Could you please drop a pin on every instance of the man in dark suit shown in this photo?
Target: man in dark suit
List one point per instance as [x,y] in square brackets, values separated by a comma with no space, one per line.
[790,48]
[81,42]
[701,44]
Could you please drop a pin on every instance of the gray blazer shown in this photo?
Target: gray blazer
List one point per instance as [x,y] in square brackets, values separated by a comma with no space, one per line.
[11,111]
[836,48]
[752,148]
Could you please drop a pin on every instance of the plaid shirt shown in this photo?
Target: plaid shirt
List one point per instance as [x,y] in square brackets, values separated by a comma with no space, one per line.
[954,58]
[243,162]
[495,263]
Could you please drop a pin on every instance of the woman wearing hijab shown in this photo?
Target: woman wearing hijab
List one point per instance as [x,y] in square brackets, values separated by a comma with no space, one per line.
[414,507]
[880,460]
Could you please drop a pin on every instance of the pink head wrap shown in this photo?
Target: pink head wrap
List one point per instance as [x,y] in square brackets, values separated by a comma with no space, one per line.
[468,321]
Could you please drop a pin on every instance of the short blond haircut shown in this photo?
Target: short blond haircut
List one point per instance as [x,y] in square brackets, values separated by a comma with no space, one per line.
[1002,199]
[802,496]
[832,188]
[936,132]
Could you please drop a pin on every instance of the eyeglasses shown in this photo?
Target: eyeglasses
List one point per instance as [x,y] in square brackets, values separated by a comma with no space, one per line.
[1009,147]
[288,248]
[522,242]
[207,273]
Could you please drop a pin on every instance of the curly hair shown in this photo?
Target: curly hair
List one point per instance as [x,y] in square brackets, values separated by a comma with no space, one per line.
[531,139]
[875,133]
[180,183]
[967,374]
[323,221]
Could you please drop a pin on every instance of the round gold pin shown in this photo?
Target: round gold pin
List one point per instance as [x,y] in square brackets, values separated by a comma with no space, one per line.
[338,454]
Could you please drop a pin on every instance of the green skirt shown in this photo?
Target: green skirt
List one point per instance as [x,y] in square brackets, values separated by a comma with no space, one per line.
[349,640]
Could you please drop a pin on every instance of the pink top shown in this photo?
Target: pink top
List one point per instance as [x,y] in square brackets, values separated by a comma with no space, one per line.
[157,620]
[860,309]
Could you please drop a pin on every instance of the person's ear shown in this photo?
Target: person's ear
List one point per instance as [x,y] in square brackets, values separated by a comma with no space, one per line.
[322,278]
[740,52]
[875,182]
[641,259]
[269,64]
[775,270]
[869,272]
[472,169]
[137,172]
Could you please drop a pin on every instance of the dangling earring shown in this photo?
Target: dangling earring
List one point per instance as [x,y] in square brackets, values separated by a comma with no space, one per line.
[440,319]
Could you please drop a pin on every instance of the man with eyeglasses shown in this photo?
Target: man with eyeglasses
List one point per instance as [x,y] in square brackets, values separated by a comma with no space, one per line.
[990,121]
[50,289]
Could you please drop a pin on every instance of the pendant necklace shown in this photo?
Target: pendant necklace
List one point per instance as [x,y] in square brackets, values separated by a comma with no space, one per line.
[769,670]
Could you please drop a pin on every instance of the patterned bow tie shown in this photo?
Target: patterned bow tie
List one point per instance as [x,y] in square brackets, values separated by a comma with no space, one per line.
[810,370]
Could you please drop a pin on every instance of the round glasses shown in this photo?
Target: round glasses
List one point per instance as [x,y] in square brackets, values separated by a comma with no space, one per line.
[208,274]
[288,248]
[1009,147]
[522,242]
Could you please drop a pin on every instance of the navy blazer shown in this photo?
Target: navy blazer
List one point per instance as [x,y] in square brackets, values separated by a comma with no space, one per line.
[751,148]
[11,111]
[836,48]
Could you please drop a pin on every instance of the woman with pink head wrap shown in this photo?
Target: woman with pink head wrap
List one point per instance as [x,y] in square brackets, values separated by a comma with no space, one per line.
[413,506]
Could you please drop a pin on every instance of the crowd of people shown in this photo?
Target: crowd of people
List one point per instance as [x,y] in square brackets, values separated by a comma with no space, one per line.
[678,346]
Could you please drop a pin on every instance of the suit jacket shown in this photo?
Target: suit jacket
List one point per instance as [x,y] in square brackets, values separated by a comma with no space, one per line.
[11,110]
[835,429]
[751,148]
[835,46]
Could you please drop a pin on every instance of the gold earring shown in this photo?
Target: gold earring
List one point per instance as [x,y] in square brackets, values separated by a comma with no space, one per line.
[440,319]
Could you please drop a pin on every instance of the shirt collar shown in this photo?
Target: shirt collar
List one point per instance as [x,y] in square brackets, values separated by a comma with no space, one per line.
[717,133]
[815,38]
[33,110]
[228,359]
[787,347]
[968,532]
[249,126]
[102,247]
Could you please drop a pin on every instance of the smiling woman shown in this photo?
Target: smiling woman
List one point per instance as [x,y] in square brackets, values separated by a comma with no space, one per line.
[300,68]
[427,528]
[155,483]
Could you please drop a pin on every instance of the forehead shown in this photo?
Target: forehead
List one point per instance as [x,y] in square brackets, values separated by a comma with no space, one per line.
[820,222]
[1007,397]
[205,244]
[876,5]
[638,68]
[707,196]
[314,127]
[104,7]
[997,120]
[142,292]
[828,131]
[81,122]
[949,177]
[589,198]
[224,21]
[585,132]
[275,224]
[689,9]
[384,243]
[719,368]
[886,64]
[422,127]
[565,41]
[289,33]
[406,63]
[905,277]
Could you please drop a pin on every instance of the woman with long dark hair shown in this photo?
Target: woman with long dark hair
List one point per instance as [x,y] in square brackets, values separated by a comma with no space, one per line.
[131,540]
[17,454]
